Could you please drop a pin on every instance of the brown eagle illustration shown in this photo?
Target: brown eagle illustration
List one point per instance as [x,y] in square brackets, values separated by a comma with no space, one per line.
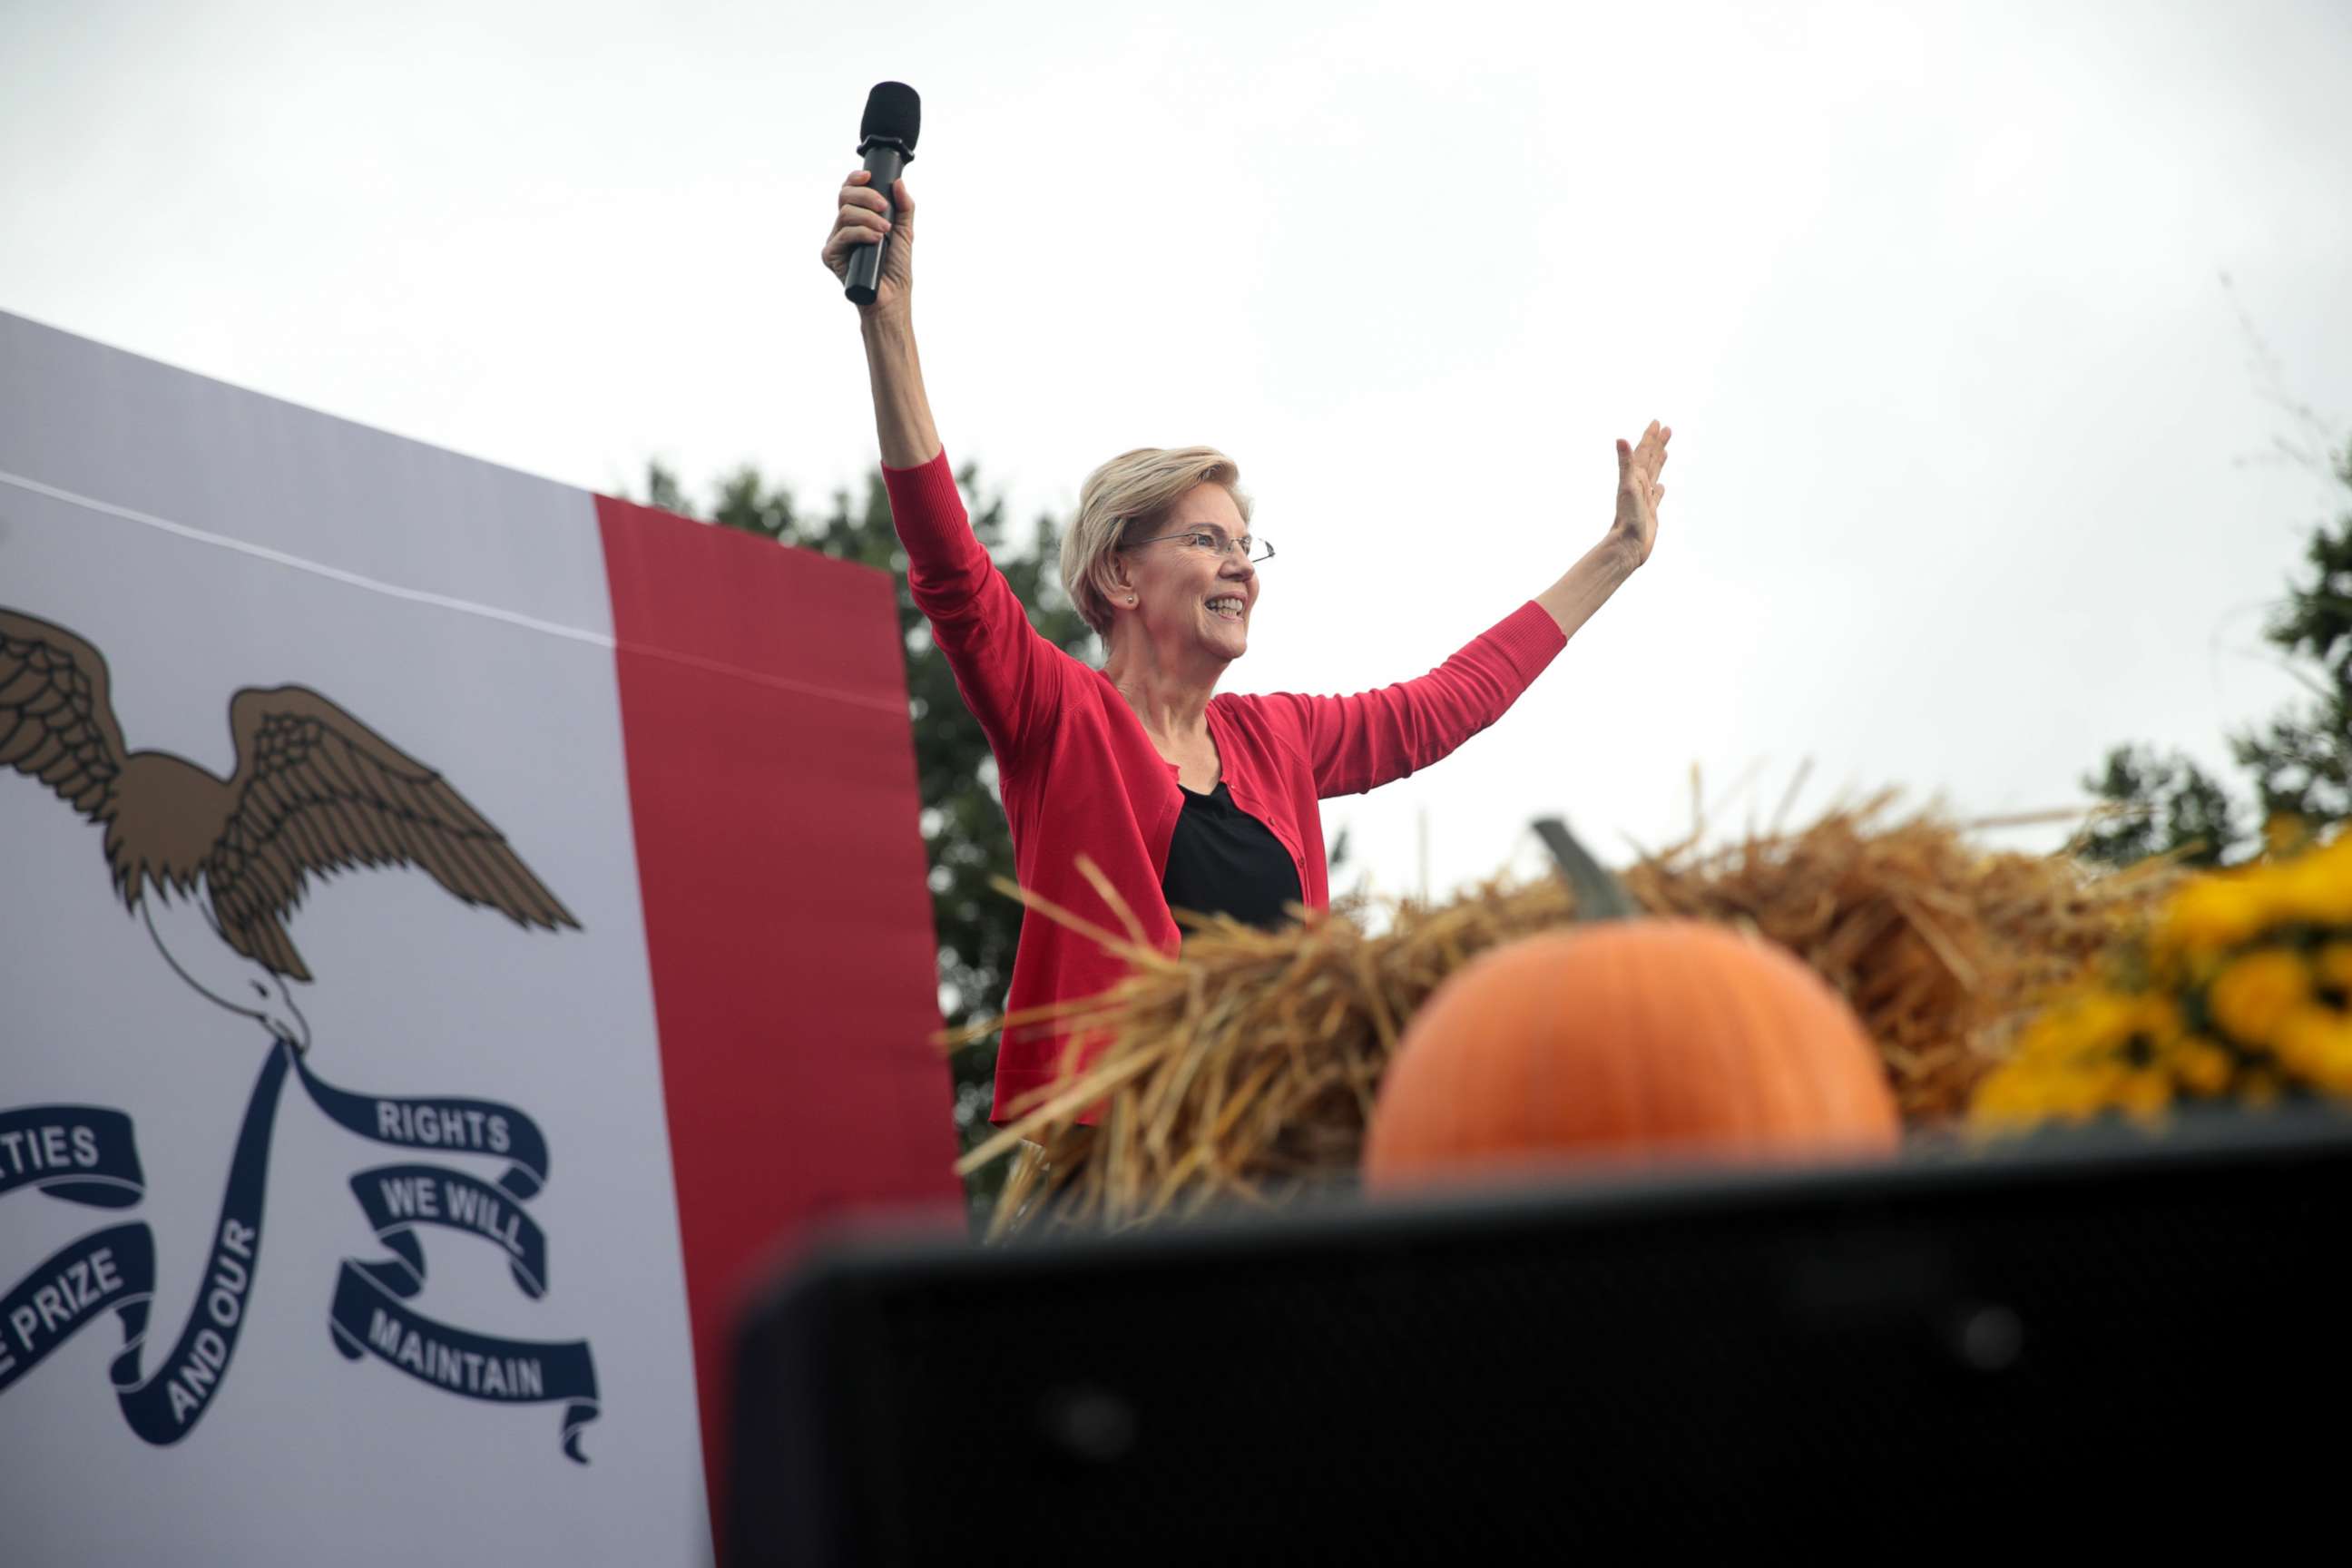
[214,865]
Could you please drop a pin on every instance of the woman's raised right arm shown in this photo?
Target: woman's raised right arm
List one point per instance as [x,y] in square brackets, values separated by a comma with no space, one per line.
[902,413]
[1006,670]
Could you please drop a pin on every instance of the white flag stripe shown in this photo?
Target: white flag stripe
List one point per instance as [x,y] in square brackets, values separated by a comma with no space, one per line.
[478,643]
[300,564]
[438,601]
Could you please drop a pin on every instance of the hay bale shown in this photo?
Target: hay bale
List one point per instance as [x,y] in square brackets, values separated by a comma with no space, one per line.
[1246,1069]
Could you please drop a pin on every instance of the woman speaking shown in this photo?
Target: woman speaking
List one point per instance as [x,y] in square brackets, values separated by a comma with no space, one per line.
[1185,798]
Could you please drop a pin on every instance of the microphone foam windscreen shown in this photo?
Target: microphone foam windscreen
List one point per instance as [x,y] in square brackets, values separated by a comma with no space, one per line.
[892,110]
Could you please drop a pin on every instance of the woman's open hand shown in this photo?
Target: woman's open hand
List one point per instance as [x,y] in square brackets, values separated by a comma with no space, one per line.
[866,218]
[1639,491]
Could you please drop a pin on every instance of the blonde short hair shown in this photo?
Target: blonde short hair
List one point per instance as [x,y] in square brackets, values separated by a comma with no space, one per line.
[1138,487]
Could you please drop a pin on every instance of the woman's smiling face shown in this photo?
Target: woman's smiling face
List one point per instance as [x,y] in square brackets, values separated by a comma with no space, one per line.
[1189,581]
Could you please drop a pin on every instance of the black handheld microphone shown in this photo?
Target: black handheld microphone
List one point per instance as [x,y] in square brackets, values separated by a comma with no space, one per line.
[886,138]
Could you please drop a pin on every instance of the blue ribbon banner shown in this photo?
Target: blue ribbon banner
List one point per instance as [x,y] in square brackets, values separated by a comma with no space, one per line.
[397,1197]
[85,1154]
[78,1153]
[113,1268]
[445,1126]
[166,1406]
[368,1315]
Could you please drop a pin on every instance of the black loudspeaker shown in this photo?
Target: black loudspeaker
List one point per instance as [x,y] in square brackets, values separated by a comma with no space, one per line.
[2101,1341]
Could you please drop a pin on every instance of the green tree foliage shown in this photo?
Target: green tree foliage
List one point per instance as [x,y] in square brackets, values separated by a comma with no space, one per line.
[2299,760]
[2169,805]
[963,817]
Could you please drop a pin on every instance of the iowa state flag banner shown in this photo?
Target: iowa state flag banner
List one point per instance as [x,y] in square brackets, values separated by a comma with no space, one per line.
[457,927]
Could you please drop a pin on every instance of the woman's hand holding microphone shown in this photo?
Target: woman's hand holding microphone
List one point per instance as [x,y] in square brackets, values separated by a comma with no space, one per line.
[866,218]
[902,411]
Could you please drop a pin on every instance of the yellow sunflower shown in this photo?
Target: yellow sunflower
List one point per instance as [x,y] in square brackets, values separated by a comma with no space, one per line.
[2255,993]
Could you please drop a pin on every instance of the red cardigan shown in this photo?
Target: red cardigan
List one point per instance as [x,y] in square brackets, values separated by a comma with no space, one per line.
[1079,776]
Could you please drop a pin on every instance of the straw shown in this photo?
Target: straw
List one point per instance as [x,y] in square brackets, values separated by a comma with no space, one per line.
[1245,1070]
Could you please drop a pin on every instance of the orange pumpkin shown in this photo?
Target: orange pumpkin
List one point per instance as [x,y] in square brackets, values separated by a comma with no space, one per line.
[1627,1038]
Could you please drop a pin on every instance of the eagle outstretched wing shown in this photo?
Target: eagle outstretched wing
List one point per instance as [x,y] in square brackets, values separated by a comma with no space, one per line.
[56,720]
[316,791]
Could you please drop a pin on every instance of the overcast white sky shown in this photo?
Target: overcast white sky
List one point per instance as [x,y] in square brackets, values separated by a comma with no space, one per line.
[1930,294]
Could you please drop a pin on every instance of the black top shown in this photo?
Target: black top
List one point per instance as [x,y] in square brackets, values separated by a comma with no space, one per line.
[1224,861]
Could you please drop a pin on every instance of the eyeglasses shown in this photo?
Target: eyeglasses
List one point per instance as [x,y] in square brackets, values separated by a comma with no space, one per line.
[1209,541]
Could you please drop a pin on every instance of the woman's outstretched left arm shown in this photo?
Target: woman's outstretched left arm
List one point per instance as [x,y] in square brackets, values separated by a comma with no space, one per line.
[1359,743]
[1588,584]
